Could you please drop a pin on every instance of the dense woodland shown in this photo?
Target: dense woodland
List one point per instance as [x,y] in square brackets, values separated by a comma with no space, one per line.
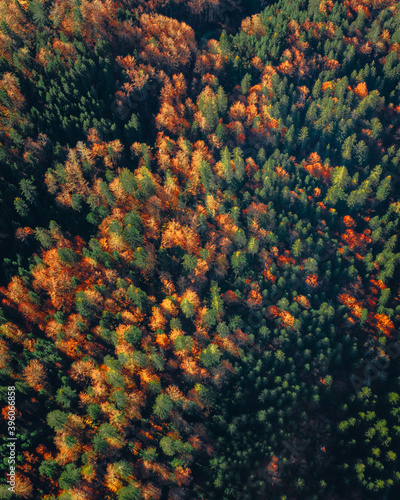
[200,280]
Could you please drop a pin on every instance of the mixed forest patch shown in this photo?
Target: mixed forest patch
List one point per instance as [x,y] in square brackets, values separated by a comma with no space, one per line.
[199,242]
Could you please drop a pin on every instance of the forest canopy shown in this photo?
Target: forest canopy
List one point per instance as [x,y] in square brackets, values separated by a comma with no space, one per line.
[199,287]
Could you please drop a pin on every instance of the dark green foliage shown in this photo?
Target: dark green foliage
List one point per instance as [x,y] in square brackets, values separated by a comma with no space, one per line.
[67,256]
[133,335]
[70,477]
[129,493]
[57,419]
